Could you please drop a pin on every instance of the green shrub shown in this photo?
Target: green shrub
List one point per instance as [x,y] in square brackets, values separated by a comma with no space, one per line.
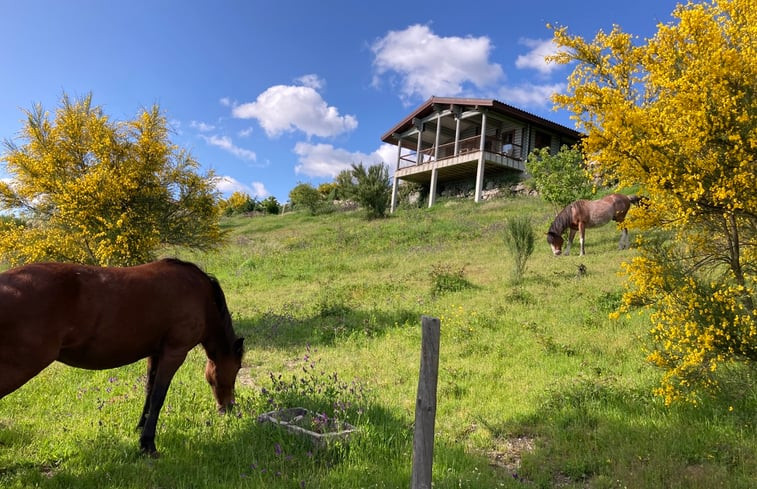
[446,278]
[560,178]
[270,205]
[305,196]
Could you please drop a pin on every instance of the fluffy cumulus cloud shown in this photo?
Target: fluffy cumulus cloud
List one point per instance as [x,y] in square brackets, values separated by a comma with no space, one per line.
[326,161]
[425,64]
[228,185]
[530,95]
[259,191]
[535,58]
[225,143]
[289,108]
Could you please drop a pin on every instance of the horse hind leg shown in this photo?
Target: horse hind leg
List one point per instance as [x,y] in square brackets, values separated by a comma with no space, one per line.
[152,368]
[582,231]
[625,241]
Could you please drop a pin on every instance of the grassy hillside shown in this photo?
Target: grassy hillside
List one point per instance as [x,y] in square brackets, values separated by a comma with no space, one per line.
[537,386]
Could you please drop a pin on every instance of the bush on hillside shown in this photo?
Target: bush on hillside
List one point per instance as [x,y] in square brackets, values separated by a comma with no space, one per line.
[519,240]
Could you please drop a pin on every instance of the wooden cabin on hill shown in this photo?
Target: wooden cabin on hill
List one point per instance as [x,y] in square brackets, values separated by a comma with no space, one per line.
[455,139]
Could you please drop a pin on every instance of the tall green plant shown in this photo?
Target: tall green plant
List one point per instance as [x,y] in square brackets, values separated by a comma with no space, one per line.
[519,240]
[372,188]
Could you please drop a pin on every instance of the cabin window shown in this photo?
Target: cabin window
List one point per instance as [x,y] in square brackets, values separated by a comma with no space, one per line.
[542,140]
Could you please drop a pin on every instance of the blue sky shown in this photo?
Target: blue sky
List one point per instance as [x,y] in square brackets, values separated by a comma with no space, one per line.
[272,94]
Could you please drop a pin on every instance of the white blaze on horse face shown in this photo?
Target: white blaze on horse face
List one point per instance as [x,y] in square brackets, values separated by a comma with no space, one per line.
[556,250]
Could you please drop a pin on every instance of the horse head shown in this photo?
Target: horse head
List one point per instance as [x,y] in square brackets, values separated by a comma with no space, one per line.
[556,242]
[221,374]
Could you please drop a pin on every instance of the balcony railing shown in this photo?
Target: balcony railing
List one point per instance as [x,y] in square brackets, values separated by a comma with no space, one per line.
[464,146]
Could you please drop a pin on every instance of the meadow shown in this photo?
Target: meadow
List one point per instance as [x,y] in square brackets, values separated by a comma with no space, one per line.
[538,387]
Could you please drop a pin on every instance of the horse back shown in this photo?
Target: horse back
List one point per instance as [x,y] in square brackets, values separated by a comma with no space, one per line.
[94,317]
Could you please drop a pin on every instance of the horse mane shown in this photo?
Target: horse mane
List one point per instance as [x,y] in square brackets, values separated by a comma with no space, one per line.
[218,296]
[562,221]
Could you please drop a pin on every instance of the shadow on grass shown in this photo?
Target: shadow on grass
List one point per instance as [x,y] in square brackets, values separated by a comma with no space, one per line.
[595,433]
[238,451]
[328,324]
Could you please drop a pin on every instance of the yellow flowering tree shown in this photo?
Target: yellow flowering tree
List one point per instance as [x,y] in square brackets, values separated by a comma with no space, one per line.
[677,115]
[90,190]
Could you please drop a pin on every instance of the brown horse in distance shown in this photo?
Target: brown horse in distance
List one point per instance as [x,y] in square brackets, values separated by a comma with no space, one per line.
[583,214]
[99,318]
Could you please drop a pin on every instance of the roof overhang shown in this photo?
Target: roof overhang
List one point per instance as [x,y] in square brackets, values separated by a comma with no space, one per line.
[460,106]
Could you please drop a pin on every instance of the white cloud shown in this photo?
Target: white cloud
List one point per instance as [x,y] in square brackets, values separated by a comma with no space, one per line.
[245,132]
[530,95]
[324,160]
[225,143]
[312,81]
[225,101]
[201,126]
[259,191]
[388,154]
[427,64]
[534,59]
[286,108]
[228,185]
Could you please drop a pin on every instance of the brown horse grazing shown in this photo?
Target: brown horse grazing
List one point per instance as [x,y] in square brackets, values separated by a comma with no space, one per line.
[98,318]
[583,214]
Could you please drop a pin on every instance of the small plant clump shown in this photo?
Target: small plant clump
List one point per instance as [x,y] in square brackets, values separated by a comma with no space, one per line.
[446,278]
[331,400]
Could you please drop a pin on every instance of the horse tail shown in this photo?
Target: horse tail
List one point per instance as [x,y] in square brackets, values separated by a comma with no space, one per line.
[639,200]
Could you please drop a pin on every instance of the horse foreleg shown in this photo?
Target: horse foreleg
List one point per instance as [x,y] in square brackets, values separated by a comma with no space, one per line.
[571,235]
[582,230]
[152,368]
[166,368]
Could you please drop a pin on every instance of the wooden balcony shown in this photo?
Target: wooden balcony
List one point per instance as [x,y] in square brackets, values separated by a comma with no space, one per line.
[453,166]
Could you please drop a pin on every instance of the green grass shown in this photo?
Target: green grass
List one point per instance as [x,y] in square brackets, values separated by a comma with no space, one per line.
[537,386]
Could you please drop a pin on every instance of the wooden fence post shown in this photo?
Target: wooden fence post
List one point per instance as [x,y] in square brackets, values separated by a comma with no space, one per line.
[425,405]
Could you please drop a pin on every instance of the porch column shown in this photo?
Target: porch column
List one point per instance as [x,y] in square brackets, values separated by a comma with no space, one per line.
[434,170]
[432,187]
[418,155]
[480,170]
[458,113]
[394,180]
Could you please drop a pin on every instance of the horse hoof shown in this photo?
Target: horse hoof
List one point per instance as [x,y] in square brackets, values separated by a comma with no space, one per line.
[150,452]
[148,448]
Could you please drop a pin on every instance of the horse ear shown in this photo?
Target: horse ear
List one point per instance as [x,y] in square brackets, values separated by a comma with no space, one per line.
[239,346]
